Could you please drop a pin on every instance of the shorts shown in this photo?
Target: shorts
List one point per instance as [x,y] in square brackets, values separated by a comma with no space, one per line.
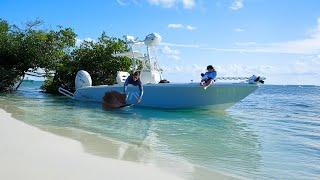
[207,80]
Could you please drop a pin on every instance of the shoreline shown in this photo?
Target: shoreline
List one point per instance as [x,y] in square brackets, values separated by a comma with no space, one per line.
[27,152]
[88,144]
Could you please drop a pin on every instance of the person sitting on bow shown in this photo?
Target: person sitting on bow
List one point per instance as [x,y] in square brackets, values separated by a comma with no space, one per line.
[209,77]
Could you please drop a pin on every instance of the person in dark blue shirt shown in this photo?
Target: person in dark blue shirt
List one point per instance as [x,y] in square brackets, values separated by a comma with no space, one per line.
[209,77]
[134,79]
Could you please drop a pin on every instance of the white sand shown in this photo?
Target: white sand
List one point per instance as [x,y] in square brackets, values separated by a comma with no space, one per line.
[27,153]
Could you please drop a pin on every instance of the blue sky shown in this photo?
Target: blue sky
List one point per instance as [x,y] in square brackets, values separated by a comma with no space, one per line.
[277,39]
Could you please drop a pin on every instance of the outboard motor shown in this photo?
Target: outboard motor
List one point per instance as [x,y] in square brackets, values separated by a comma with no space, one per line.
[83,79]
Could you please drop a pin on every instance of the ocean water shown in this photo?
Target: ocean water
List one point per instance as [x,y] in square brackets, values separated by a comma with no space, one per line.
[272,134]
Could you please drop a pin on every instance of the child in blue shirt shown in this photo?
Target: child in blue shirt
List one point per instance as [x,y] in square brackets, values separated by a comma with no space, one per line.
[209,77]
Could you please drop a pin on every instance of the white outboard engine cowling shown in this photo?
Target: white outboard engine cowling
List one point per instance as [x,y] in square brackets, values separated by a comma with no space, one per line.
[83,79]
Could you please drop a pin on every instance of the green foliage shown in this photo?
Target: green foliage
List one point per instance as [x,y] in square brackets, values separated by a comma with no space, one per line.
[55,51]
[95,58]
[30,48]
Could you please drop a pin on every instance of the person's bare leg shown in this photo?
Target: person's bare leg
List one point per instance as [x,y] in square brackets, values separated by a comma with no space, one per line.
[207,84]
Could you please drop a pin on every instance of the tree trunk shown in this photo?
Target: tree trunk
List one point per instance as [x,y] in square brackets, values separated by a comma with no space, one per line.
[20,82]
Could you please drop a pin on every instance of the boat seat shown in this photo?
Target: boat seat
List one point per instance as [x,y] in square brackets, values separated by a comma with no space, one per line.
[122,77]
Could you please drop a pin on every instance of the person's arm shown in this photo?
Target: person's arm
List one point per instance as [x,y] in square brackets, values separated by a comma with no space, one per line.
[141,90]
[125,86]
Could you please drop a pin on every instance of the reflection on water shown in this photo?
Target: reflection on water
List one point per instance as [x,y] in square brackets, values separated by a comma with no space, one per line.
[250,140]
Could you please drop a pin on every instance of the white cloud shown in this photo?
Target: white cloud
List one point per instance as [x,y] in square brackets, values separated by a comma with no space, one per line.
[304,71]
[230,70]
[190,28]
[309,45]
[180,45]
[121,2]
[171,53]
[79,41]
[307,65]
[249,43]
[181,26]
[316,32]
[178,69]
[175,26]
[187,4]
[240,70]
[191,69]
[236,5]
[238,30]
[163,3]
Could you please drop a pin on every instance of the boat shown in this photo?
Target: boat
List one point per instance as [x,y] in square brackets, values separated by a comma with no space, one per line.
[158,93]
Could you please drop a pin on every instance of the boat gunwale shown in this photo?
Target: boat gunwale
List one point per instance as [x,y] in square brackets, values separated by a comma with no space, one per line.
[193,85]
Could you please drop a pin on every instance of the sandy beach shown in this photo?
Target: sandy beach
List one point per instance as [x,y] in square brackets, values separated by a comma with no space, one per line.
[27,152]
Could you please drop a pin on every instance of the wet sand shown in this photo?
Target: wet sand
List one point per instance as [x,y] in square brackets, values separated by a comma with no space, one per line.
[27,152]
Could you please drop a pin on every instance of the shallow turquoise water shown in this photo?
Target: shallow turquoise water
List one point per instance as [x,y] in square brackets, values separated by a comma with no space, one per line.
[272,134]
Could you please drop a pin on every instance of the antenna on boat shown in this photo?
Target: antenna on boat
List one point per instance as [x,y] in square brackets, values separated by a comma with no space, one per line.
[148,54]
[152,39]
[131,40]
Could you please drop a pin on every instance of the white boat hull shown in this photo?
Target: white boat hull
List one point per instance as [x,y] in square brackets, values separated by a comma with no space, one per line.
[188,95]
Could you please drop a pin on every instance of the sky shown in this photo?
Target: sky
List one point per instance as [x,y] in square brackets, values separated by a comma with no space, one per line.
[279,40]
